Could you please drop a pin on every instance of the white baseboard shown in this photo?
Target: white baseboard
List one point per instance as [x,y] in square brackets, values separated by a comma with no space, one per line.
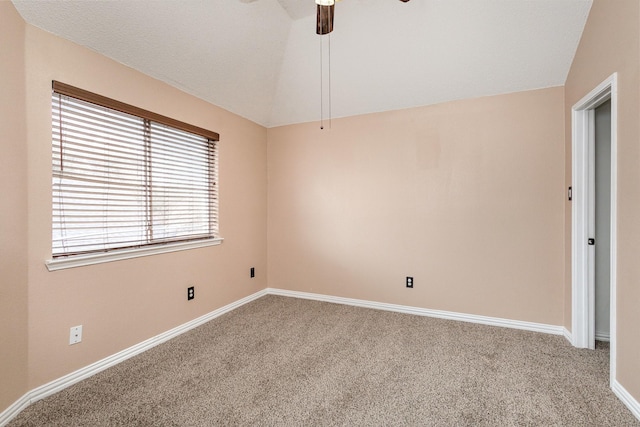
[626,398]
[568,335]
[603,336]
[83,373]
[13,410]
[450,315]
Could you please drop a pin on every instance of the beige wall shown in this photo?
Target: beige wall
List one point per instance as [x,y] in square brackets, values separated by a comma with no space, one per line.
[13,209]
[611,43]
[466,197]
[126,302]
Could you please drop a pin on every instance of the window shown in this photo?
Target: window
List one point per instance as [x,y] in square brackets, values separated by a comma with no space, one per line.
[125,178]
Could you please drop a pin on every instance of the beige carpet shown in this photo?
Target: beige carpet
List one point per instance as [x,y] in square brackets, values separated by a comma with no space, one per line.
[287,362]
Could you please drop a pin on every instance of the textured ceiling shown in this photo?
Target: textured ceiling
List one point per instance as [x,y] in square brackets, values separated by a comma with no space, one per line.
[298,8]
[261,58]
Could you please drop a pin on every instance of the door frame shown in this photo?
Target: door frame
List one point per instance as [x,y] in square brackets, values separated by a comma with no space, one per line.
[582,255]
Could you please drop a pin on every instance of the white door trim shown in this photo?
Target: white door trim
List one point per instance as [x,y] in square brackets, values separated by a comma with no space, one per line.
[582,288]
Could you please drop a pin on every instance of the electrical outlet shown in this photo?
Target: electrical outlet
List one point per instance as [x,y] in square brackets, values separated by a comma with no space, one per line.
[409,282]
[191,293]
[75,335]
[253,272]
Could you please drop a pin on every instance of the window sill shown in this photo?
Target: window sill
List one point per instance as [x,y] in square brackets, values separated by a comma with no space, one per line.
[82,260]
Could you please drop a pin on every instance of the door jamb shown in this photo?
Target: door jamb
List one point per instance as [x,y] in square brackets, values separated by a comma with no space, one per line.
[582,292]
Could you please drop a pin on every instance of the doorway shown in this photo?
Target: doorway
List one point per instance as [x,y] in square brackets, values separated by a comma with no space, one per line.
[601,212]
[593,228]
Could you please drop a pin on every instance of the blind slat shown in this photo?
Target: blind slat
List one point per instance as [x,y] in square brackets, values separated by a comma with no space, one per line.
[122,181]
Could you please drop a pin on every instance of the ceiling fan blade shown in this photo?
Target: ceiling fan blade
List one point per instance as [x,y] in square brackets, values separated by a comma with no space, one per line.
[324,15]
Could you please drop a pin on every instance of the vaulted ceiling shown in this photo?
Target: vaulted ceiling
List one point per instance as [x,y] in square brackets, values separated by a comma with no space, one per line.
[261,58]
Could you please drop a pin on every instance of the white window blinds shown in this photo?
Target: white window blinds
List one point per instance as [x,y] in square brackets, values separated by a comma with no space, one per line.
[125,181]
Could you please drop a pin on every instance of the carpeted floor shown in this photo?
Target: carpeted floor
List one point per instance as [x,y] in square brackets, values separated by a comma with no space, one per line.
[288,362]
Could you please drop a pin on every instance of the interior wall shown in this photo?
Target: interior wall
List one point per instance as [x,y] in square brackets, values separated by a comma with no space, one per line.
[13,209]
[123,303]
[466,197]
[463,196]
[611,43]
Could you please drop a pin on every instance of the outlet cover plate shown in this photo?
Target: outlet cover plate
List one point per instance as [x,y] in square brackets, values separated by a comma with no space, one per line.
[75,335]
